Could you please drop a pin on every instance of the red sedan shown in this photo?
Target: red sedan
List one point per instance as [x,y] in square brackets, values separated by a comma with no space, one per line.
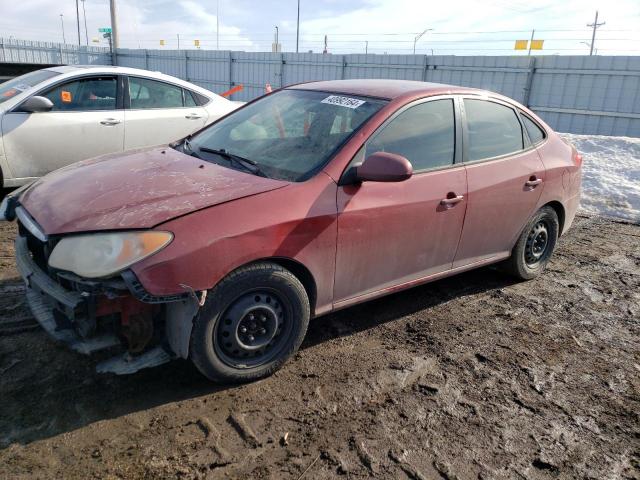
[222,246]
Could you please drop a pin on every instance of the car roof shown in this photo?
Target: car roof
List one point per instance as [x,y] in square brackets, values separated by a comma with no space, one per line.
[384,88]
[98,69]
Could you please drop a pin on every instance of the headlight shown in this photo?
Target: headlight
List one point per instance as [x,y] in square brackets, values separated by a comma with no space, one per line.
[104,254]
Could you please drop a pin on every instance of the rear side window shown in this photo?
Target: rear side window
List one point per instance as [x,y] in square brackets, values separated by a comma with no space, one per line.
[493,130]
[199,99]
[424,134]
[86,94]
[188,99]
[536,134]
[145,93]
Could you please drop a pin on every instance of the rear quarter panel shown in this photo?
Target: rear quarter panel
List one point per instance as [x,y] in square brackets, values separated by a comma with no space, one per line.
[563,176]
[296,222]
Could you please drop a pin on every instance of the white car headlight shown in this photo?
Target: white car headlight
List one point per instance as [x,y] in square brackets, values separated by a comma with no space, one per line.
[104,254]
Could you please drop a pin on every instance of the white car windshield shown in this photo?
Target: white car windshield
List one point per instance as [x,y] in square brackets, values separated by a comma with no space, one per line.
[24,82]
[289,134]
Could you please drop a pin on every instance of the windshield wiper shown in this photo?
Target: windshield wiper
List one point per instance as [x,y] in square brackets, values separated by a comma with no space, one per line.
[246,163]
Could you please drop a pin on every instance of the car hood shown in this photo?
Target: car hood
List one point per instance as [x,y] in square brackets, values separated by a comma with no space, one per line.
[137,189]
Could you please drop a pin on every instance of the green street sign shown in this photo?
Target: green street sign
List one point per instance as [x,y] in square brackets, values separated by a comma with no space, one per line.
[105,30]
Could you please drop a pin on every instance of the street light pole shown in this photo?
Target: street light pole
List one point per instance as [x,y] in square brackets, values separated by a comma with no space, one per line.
[86,32]
[298,28]
[64,40]
[415,40]
[78,20]
[217,24]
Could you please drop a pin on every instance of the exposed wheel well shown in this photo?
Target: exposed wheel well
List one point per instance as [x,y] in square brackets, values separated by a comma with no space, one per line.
[557,206]
[301,272]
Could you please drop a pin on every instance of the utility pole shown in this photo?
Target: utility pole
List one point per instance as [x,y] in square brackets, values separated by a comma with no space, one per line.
[114,26]
[217,24]
[178,35]
[533,32]
[78,21]
[595,25]
[84,14]
[415,40]
[298,28]
[64,40]
[325,44]
[366,47]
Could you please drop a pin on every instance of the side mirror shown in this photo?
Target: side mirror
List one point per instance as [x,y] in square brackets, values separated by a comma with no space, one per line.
[384,167]
[36,104]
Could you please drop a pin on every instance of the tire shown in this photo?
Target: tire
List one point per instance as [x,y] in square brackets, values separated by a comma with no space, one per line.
[534,246]
[250,324]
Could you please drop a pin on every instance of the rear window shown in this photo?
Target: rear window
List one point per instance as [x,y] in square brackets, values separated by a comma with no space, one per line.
[493,130]
[24,82]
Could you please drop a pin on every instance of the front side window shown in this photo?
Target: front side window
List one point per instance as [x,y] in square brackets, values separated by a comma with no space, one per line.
[145,93]
[424,134]
[23,83]
[493,130]
[536,134]
[85,94]
[289,134]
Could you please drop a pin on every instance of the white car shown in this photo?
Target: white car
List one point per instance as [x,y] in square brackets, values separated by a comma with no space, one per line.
[56,116]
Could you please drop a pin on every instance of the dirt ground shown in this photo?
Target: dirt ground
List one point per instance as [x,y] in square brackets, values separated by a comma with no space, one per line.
[473,377]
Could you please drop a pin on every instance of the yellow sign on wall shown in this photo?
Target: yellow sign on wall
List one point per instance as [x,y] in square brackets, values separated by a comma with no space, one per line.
[162,43]
[521,45]
[196,43]
[536,44]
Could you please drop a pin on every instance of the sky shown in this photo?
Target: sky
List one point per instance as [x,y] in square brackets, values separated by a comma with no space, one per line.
[460,27]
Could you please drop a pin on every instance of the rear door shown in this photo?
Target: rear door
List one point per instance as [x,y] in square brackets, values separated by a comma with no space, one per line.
[86,121]
[159,112]
[394,233]
[505,179]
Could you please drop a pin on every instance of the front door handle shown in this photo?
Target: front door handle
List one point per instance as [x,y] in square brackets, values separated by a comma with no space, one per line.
[193,116]
[451,200]
[110,121]
[533,181]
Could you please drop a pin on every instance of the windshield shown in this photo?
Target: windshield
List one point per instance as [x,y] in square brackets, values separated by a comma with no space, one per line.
[24,82]
[288,135]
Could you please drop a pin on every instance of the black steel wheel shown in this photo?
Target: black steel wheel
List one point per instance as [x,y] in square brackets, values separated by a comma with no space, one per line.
[251,323]
[254,329]
[535,245]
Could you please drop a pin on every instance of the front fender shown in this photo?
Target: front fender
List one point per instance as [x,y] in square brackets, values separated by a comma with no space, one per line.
[298,222]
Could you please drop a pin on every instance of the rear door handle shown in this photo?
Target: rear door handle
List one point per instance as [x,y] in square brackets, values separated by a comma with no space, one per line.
[193,116]
[451,201]
[110,121]
[533,181]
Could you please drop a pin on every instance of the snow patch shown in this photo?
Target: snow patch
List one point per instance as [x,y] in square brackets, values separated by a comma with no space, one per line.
[610,175]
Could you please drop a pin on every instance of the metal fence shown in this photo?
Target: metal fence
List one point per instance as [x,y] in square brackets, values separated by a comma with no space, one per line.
[576,94]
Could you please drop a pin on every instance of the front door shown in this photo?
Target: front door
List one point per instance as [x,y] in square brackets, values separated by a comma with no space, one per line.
[394,233]
[505,180]
[84,122]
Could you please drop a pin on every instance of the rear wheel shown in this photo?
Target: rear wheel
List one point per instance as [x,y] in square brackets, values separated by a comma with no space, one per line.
[251,323]
[534,246]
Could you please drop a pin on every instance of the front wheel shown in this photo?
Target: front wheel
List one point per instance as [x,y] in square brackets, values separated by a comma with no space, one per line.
[251,323]
[534,246]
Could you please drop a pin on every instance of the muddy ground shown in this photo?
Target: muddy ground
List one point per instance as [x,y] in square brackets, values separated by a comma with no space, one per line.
[472,377]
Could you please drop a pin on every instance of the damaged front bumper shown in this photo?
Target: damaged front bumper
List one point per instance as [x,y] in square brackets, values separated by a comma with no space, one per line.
[92,316]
